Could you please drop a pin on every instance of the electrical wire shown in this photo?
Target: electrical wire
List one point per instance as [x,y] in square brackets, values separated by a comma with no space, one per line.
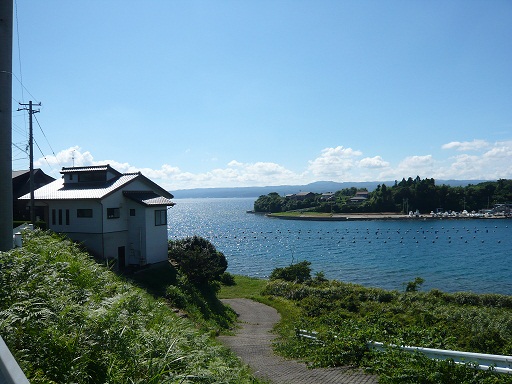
[19,81]
[44,156]
[19,48]
[53,152]
[18,129]
[21,149]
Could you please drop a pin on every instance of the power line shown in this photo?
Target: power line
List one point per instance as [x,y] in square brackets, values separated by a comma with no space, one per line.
[44,156]
[19,81]
[20,158]
[19,48]
[21,149]
[53,152]
[18,129]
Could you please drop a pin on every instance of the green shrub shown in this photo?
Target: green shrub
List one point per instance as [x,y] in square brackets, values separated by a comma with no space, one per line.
[227,279]
[198,259]
[299,272]
[176,297]
[67,319]
[346,316]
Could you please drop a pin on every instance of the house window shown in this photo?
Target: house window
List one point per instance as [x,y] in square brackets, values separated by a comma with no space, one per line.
[67,216]
[113,213]
[53,217]
[132,212]
[83,212]
[161,217]
[60,216]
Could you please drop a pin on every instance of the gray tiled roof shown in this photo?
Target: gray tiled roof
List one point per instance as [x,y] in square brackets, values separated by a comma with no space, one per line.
[88,169]
[19,173]
[148,198]
[58,191]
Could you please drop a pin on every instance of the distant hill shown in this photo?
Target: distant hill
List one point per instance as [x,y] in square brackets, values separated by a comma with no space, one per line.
[316,187]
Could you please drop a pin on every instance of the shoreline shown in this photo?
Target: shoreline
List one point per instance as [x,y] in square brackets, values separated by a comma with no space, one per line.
[376,216]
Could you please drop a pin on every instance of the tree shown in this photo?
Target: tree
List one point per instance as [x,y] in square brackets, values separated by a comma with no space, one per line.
[269,203]
[299,273]
[198,259]
[413,286]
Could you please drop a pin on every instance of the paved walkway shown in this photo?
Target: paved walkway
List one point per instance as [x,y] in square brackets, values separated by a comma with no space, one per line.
[253,344]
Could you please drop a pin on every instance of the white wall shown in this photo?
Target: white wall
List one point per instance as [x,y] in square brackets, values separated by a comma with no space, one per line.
[136,231]
[92,241]
[76,224]
[115,200]
[156,246]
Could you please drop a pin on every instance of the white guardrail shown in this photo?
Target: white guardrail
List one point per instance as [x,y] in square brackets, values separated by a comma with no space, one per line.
[17,240]
[482,361]
[10,371]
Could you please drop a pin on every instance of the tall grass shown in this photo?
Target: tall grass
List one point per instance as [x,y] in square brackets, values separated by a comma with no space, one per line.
[67,319]
[347,316]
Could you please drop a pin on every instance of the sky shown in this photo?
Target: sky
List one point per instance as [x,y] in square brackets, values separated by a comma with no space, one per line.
[258,93]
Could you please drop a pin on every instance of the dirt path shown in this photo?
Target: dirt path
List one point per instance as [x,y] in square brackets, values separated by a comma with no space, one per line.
[253,344]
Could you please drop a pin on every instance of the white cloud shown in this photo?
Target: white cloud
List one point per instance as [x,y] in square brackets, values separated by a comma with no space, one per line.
[493,164]
[494,161]
[500,150]
[66,158]
[171,177]
[234,163]
[334,163]
[474,145]
[411,166]
[373,162]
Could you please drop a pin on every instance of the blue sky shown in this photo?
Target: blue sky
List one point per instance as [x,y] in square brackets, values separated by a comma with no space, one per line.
[253,93]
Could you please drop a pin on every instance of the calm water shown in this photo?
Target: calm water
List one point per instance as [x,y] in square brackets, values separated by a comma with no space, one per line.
[451,255]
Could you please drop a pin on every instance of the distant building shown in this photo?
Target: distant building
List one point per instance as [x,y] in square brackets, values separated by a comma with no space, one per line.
[21,186]
[301,196]
[328,196]
[359,198]
[114,215]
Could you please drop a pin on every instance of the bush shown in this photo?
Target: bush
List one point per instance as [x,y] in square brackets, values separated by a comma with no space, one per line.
[176,297]
[227,279]
[198,259]
[299,273]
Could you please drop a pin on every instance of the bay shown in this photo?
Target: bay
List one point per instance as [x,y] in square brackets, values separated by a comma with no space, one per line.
[450,255]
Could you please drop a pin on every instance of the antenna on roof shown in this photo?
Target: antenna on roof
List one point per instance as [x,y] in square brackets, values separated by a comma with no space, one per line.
[73,158]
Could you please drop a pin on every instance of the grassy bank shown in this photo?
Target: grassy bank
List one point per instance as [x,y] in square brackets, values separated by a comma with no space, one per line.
[347,316]
[67,319]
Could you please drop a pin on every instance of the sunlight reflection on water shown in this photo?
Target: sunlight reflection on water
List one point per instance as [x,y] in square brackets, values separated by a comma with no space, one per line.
[451,255]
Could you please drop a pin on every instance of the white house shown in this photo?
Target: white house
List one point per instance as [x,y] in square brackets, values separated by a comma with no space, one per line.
[114,215]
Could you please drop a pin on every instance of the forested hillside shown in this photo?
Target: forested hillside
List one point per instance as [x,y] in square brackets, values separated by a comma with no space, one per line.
[404,196]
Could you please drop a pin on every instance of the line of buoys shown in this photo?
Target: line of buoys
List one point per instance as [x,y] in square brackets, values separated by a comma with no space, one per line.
[430,234]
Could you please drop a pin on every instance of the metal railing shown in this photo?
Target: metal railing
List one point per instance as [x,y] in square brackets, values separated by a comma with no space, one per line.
[482,361]
[10,371]
[17,232]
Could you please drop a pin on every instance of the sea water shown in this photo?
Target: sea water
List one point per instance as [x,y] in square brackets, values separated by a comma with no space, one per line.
[450,255]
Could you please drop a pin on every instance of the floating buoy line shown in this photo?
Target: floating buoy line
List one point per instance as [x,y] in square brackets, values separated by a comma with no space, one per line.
[356,235]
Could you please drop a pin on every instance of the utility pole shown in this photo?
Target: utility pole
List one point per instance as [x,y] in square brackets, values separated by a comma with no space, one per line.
[31,156]
[6,10]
